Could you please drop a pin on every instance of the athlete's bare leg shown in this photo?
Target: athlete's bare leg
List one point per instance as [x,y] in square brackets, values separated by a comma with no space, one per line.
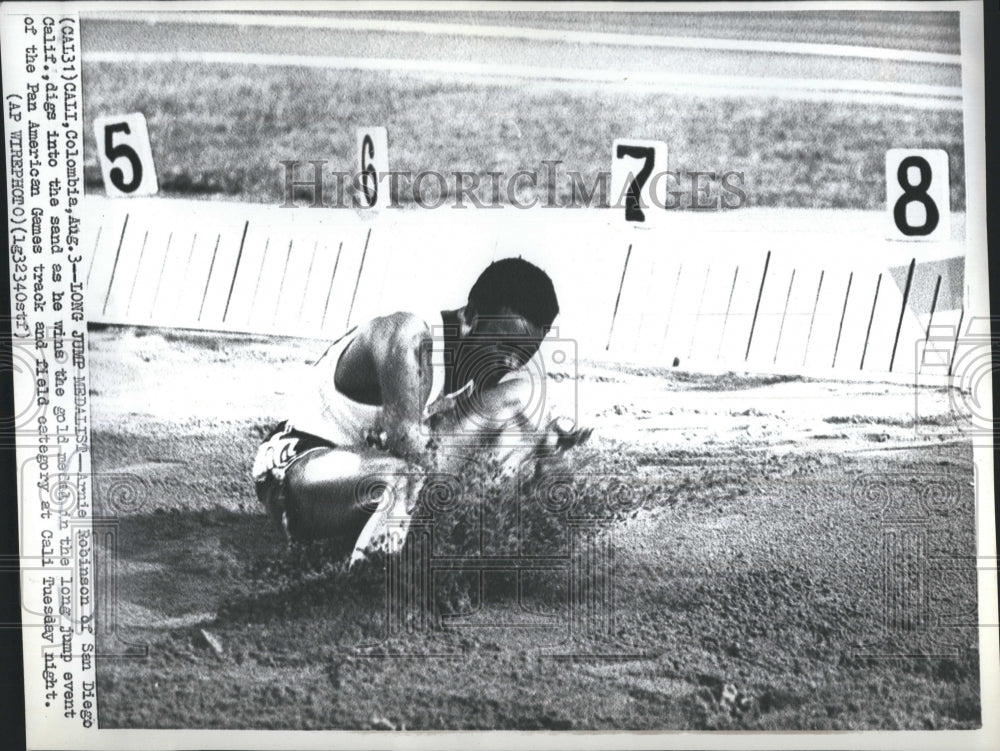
[333,493]
[360,499]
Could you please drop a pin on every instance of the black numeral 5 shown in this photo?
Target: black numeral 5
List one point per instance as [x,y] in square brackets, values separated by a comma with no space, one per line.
[114,153]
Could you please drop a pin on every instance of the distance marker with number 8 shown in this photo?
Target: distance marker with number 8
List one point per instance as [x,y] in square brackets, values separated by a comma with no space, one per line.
[917,194]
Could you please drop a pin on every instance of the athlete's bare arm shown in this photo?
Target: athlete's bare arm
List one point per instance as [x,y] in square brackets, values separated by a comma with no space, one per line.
[389,363]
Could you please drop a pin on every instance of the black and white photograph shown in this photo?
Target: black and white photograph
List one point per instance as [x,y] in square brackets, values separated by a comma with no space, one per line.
[467,367]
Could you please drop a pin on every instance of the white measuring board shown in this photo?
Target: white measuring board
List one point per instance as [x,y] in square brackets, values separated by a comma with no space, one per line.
[828,295]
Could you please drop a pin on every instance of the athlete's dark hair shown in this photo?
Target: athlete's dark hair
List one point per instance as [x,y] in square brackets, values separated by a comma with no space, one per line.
[515,284]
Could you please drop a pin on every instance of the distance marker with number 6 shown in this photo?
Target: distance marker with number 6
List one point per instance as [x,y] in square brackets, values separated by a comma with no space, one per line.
[373,165]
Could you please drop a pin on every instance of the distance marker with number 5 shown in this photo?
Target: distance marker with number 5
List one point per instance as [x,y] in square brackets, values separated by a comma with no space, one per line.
[125,155]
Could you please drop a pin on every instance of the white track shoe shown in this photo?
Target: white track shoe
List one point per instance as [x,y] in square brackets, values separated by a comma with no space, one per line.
[386,529]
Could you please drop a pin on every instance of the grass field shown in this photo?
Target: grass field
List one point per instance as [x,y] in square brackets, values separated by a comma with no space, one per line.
[752,556]
[222,130]
[927,31]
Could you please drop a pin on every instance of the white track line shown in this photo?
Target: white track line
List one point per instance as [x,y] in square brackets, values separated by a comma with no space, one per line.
[904,94]
[536,35]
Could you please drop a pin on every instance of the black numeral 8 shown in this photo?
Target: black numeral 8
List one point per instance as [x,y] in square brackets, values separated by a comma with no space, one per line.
[916,193]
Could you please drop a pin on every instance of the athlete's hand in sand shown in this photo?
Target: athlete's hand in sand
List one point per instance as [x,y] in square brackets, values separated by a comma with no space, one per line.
[561,435]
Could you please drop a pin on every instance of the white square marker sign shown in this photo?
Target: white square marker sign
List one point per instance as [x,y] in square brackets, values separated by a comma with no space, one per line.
[638,180]
[125,155]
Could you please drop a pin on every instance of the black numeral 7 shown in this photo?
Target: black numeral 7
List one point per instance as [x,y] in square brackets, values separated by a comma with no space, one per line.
[633,207]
